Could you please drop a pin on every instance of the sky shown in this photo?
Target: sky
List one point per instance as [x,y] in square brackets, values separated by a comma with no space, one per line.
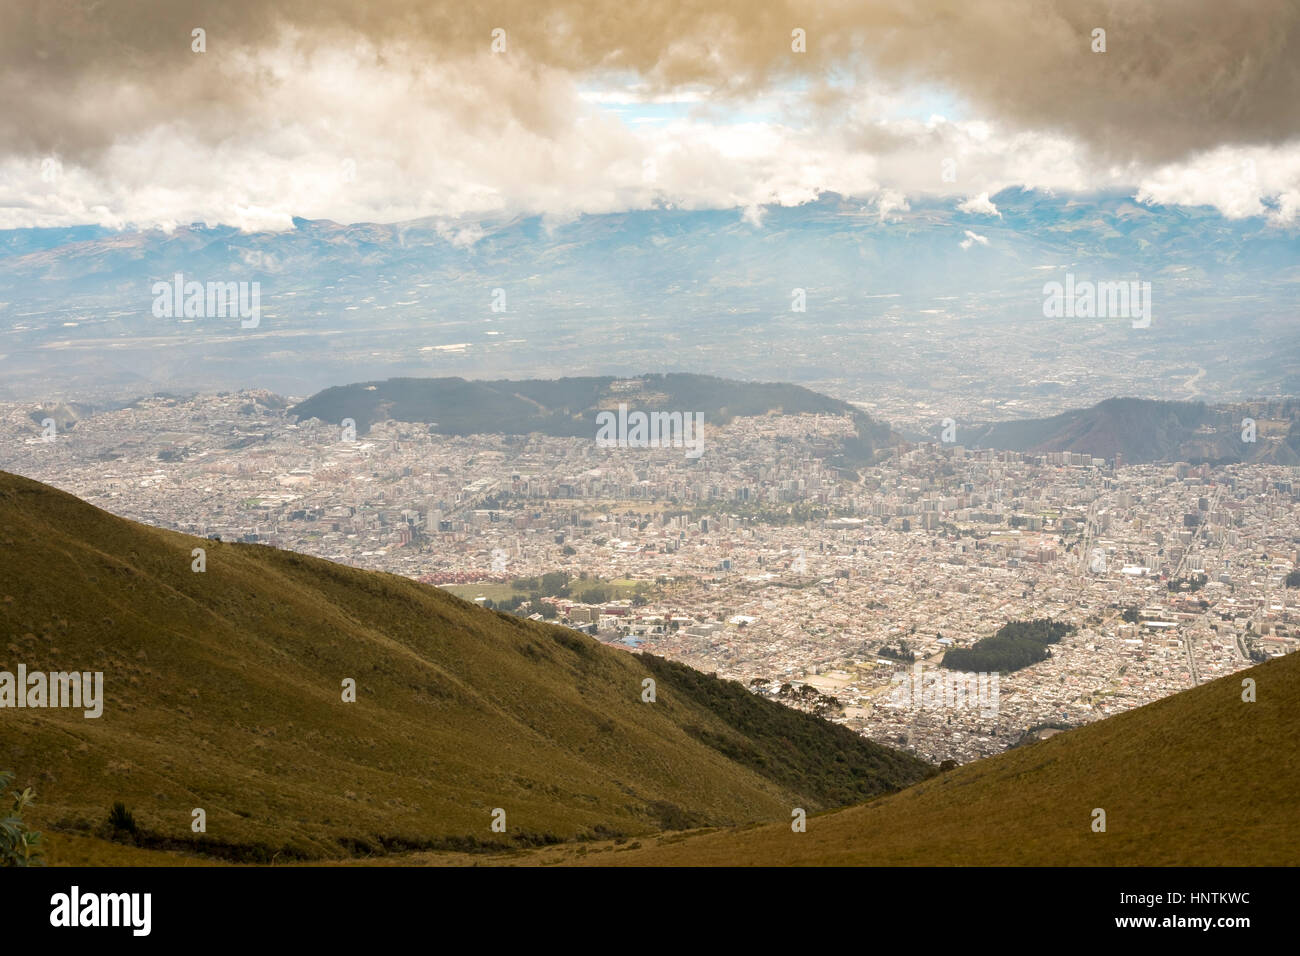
[150,113]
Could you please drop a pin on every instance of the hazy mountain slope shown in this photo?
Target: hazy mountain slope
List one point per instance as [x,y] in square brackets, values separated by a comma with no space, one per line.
[563,406]
[567,407]
[223,692]
[1199,778]
[1147,431]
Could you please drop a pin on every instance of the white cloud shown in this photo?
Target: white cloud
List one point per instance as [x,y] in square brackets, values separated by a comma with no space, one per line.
[1237,181]
[979,205]
[890,201]
[351,136]
[973,238]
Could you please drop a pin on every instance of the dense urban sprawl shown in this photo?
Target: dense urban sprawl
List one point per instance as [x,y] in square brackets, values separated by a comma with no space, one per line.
[757,560]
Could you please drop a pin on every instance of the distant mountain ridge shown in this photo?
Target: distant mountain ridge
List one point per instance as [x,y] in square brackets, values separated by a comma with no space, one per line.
[1145,431]
[700,290]
[1141,430]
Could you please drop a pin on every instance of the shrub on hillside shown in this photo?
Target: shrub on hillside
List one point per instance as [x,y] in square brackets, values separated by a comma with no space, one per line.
[19,846]
[121,819]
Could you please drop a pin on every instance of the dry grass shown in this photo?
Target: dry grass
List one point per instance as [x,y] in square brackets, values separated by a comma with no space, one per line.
[223,692]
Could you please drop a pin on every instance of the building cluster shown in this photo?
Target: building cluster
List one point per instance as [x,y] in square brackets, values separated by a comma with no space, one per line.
[760,560]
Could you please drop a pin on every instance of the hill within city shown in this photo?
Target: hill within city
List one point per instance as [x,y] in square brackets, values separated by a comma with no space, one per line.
[1141,431]
[562,407]
[224,690]
[1144,431]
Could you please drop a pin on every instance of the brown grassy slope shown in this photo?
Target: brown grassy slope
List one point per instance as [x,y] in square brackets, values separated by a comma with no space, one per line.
[76,849]
[223,692]
[1200,778]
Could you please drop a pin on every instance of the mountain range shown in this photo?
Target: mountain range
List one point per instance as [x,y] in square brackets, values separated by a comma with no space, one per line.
[1141,431]
[835,292]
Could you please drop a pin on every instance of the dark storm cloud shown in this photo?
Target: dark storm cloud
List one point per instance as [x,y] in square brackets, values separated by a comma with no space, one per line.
[1177,76]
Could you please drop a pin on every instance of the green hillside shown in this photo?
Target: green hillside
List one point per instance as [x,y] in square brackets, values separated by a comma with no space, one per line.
[223,691]
[1201,778]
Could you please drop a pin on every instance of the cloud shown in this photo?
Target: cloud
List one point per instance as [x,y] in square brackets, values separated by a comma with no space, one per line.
[1179,76]
[890,201]
[1239,182]
[979,205]
[973,238]
[400,109]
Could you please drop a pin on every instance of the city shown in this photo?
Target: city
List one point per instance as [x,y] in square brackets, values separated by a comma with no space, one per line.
[757,560]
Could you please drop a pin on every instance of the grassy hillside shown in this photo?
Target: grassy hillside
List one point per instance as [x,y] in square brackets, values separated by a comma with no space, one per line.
[223,691]
[1200,778]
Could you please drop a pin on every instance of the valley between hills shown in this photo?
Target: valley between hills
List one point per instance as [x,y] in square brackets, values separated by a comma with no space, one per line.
[222,692]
